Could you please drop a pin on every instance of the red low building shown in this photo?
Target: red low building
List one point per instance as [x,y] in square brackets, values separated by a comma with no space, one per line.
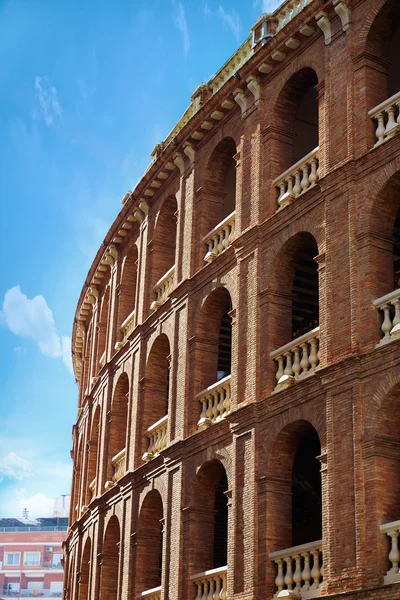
[30,557]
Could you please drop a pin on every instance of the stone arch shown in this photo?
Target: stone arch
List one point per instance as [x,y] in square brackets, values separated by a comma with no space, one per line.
[78,476]
[149,543]
[91,490]
[87,359]
[109,572]
[85,570]
[103,327]
[295,112]
[156,392]
[117,435]
[127,291]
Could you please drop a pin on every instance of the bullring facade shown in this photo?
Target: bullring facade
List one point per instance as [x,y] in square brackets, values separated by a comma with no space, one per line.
[236,341]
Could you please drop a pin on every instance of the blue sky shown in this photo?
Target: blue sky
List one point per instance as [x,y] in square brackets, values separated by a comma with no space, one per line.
[87,88]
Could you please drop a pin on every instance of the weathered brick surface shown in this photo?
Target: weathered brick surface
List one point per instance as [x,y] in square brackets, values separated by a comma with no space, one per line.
[351,402]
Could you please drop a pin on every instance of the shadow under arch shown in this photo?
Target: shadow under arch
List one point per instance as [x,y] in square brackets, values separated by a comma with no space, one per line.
[149,543]
[85,571]
[109,573]
[117,435]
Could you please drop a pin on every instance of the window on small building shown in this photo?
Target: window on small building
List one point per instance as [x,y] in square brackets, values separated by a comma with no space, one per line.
[13,558]
[31,559]
[57,560]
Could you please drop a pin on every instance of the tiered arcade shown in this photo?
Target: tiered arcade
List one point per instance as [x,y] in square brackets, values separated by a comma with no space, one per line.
[236,342]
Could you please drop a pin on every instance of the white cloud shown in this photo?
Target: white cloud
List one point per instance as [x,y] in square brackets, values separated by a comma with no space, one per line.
[38,505]
[48,100]
[32,318]
[268,6]
[230,20]
[14,467]
[181,22]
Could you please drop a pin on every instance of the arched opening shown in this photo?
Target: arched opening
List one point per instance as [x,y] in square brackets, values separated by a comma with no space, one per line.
[218,200]
[85,571]
[213,358]
[297,116]
[294,501]
[209,499]
[103,328]
[77,481]
[156,398]
[93,454]
[163,252]
[296,310]
[109,574]
[118,429]
[87,359]
[127,294]
[149,548]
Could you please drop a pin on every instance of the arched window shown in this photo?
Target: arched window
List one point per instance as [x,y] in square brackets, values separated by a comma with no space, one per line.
[295,507]
[149,548]
[295,281]
[87,359]
[156,399]
[77,481]
[213,358]
[127,295]
[91,484]
[118,429]
[103,328]
[209,523]
[163,252]
[109,574]
[216,222]
[85,571]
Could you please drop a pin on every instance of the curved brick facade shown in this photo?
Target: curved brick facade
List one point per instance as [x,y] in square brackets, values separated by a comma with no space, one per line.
[187,451]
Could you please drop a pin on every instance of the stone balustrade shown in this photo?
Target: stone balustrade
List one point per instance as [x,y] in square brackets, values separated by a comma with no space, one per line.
[387,118]
[153,594]
[157,436]
[288,11]
[220,238]
[297,179]
[389,306]
[163,288]
[128,325]
[298,358]
[299,569]
[211,584]
[215,402]
[92,488]
[118,463]
[392,530]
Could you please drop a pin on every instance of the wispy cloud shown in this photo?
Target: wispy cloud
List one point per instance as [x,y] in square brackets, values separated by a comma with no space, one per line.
[48,100]
[14,467]
[182,25]
[268,6]
[230,20]
[32,318]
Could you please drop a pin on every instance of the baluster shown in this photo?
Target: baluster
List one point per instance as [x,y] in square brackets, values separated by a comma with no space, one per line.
[306,574]
[199,590]
[305,182]
[288,368]
[313,360]
[313,175]
[220,405]
[205,589]
[280,580]
[398,112]
[220,246]
[224,586]
[211,589]
[214,396]
[297,572]
[209,413]
[394,554]
[380,130]
[391,124]
[203,408]
[290,186]
[279,372]
[217,587]
[297,186]
[315,571]
[227,401]
[387,322]
[296,364]
[226,236]
[289,573]
[396,304]
[282,190]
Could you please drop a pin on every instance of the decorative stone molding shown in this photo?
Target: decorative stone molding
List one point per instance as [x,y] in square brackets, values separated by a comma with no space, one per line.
[343,12]
[324,24]
[189,151]
[111,255]
[179,162]
[126,197]
[240,99]
[254,87]
[92,295]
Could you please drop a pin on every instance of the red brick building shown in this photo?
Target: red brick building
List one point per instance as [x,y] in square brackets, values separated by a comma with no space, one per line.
[30,557]
[236,341]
